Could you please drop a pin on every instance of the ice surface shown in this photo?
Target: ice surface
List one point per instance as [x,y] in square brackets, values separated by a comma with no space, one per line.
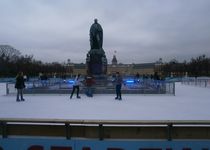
[190,103]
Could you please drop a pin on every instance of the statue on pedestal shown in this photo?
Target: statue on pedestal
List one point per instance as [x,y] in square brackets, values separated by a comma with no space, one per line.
[96,35]
[96,59]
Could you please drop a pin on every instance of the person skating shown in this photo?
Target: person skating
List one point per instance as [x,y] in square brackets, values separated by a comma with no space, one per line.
[76,86]
[89,83]
[118,85]
[20,85]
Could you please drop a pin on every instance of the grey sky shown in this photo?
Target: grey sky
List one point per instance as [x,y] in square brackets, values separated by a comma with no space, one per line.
[139,30]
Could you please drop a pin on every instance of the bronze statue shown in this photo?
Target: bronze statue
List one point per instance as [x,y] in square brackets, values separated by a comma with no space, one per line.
[96,35]
[96,59]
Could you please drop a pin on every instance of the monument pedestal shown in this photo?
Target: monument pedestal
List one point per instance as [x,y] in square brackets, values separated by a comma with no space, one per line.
[96,62]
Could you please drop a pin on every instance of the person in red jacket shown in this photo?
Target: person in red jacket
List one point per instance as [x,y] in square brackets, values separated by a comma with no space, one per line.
[89,81]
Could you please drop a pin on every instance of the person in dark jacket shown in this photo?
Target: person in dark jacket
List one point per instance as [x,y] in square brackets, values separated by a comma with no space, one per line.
[118,85]
[20,85]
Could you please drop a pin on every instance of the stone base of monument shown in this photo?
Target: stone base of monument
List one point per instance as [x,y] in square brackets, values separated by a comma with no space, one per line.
[100,80]
[96,62]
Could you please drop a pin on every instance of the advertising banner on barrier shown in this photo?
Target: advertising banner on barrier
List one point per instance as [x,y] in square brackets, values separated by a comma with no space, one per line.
[62,144]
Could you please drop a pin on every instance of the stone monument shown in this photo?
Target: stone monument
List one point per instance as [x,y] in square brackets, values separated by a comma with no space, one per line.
[96,59]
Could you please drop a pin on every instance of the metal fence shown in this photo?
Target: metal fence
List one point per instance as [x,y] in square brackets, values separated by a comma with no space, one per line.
[58,134]
[199,81]
[129,86]
[106,129]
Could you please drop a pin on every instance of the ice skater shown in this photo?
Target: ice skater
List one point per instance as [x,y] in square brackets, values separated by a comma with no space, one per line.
[118,84]
[20,85]
[76,86]
[89,81]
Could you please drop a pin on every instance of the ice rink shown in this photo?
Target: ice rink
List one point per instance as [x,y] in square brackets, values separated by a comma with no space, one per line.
[189,103]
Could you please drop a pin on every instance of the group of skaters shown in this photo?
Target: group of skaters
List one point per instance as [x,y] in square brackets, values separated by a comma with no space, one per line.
[89,82]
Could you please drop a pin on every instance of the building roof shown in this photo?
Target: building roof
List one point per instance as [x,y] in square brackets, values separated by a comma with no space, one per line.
[114,60]
[79,66]
[143,66]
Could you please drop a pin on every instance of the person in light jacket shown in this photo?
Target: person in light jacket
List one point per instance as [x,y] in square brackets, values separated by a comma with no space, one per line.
[76,86]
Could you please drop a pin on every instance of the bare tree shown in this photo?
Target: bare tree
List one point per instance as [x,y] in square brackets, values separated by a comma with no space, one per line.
[8,53]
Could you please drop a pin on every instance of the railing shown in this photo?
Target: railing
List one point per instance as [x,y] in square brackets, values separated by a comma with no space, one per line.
[199,81]
[146,86]
[106,129]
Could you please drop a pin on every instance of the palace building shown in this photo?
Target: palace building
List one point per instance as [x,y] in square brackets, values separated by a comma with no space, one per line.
[124,69]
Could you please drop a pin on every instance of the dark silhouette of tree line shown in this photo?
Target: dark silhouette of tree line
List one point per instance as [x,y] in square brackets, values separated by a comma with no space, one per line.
[196,67]
[12,61]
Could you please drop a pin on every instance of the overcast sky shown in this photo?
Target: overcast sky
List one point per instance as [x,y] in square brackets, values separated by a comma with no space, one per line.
[138,30]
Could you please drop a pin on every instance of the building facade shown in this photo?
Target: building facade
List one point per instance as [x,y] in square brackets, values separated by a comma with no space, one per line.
[124,69]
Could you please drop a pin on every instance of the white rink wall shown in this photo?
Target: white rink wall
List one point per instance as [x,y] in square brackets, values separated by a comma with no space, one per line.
[3,89]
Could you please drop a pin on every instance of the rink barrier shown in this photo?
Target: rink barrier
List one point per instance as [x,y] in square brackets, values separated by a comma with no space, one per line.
[106,129]
[148,87]
[199,81]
